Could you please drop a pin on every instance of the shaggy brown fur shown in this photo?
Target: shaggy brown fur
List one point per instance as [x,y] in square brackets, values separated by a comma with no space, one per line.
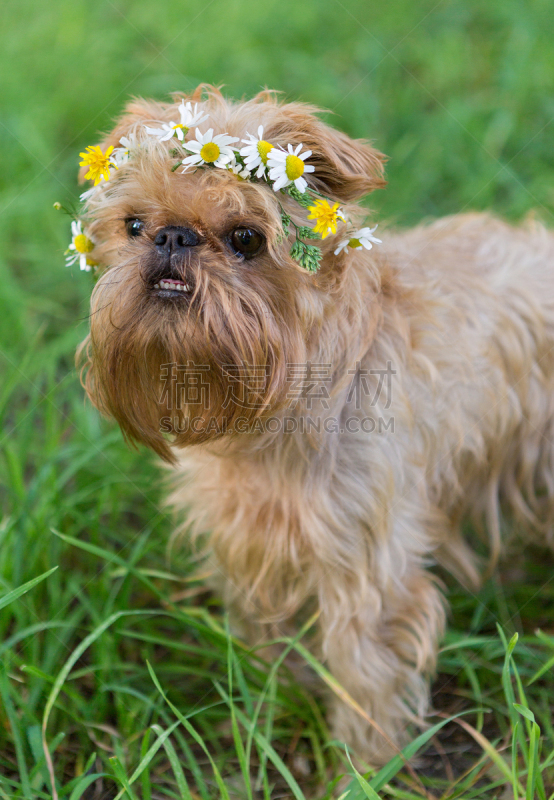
[462,309]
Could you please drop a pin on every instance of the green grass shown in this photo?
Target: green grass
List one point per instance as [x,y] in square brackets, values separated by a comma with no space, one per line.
[118,664]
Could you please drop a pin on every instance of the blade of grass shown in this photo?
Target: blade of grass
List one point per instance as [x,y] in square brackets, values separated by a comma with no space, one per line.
[508,688]
[18,744]
[175,766]
[266,748]
[534,779]
[476,687]
[110,557]
[268,724]
[289,645]
[398,761]
[195,735]
[64,672]
[514,761]
[147,758]
[145,777]
[85,782]
[239,746]
[541,671]
[8,598]
[122,778]
[368,791]
[490,750]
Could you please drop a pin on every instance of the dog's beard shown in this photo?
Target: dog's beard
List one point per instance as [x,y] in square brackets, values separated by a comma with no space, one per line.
[192,366]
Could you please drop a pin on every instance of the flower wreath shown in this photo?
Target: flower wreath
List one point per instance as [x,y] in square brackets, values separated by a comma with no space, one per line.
[283,169]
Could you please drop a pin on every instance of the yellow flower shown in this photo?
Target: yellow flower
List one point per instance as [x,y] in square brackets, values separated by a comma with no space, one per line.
[99,163]
[327,217]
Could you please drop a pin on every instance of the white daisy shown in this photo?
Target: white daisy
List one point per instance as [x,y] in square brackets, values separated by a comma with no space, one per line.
[88,194]
[210,149]
[237,169]
[286,168]
[359,239]
[121,155]
[342,246]
[79,248]
[256,152]
[189,117]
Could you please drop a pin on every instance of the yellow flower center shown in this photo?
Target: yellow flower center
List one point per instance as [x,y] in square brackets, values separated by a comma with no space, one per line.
[264,149]
[210,152]
[183,128]
[354,243]
[83,244]
[294,167]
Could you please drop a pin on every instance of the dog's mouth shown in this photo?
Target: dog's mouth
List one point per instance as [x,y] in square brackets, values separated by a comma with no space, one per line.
[168,287]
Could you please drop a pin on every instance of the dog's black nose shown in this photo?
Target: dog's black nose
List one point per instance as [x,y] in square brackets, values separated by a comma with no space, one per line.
[174,240]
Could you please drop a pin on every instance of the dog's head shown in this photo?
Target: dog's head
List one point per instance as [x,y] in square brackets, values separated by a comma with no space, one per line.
[199,305]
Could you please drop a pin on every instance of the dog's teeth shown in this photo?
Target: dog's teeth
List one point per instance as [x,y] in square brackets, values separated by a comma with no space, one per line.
[179,287]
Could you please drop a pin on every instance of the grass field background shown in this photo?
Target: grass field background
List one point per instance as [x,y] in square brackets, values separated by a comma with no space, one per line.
[460,95]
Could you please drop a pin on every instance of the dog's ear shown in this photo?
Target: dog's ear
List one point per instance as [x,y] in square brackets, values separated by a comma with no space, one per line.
[345,168]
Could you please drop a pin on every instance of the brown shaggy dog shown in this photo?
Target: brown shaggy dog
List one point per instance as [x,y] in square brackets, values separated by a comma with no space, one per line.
[341,498]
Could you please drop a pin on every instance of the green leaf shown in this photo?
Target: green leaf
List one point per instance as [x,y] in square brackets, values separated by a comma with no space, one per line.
[525,712]
[304,198]
[285,222]
[305,232]
[307,255]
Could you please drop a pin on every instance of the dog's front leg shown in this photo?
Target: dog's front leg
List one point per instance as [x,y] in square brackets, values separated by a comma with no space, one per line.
[379,640]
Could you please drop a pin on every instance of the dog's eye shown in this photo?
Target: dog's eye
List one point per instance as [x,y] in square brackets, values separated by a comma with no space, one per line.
[246,241]
[134,227]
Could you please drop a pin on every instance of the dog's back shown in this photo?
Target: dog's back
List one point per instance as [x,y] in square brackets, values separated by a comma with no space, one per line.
[483,331]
